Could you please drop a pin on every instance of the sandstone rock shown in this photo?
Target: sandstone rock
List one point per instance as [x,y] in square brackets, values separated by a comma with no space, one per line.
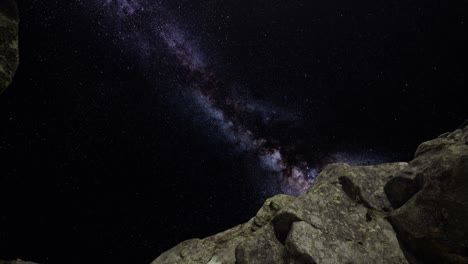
[391,213]
[8,42]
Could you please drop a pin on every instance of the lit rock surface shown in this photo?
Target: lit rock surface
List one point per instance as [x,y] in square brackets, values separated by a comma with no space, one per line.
[412,212]
[8,42]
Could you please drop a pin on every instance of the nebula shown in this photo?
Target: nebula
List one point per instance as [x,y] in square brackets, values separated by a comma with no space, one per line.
[243,122]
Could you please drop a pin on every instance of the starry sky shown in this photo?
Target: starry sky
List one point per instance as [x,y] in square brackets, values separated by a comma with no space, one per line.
[133,125]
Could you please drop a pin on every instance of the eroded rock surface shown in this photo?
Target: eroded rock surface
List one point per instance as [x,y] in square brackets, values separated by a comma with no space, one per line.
[412,212]
[8,42]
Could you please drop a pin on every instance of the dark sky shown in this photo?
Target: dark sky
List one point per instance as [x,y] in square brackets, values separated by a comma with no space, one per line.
[108,158]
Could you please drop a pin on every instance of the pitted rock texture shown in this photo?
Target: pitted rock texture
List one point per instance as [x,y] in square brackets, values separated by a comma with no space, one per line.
[412,212]
[9,57]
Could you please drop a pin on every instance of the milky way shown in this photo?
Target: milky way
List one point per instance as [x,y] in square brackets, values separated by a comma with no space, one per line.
[142,26]
[233,114]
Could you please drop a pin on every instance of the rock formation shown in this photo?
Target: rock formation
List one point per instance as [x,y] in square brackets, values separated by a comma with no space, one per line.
[8,42]
[414,212]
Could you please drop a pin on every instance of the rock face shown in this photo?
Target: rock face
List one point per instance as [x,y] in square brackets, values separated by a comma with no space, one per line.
[414,212]
[8,42]
[433,224]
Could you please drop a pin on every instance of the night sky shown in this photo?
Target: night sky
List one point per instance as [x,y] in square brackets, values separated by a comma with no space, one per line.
[133,125]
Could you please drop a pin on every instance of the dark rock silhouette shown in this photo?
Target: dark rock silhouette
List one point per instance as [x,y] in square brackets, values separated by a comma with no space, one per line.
[8,42]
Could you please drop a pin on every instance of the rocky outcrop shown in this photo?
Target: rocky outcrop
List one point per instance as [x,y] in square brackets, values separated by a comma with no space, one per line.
[433,223]
[412,212]
[8,42]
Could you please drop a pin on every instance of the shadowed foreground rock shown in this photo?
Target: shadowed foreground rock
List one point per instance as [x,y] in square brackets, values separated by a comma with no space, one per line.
[8,42]
[414,212]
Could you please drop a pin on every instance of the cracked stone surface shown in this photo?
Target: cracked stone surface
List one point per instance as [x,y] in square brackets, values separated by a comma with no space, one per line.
[390,213]
[9,57]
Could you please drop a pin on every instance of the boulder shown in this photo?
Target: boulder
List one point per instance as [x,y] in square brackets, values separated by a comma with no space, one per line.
[221,248]
[390,213]
[8,42]
[433,223]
